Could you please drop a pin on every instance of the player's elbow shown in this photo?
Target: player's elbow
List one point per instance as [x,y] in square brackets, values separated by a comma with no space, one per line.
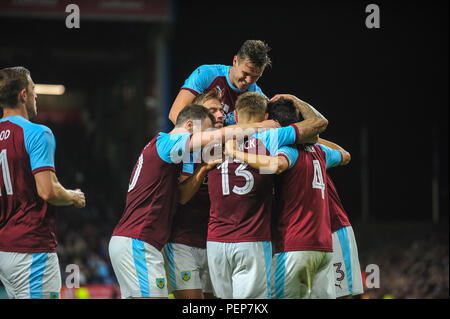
[47,194]
[321,126]
[346,158]
[172,117]
[183,200]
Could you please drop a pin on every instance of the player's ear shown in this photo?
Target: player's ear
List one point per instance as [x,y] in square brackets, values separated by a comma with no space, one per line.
[236,117]
[266,116]
[189,125]
[22,96]
[235,60]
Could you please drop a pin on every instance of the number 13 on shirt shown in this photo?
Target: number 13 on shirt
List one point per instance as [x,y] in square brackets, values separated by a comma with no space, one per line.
[240,171]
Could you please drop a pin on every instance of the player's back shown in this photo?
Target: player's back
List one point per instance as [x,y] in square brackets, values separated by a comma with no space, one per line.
[338,216]
[241,199]
[153,190]
[302,220]
[27,222]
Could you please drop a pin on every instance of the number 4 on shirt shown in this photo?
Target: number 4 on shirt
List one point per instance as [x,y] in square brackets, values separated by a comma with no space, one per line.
[318,179]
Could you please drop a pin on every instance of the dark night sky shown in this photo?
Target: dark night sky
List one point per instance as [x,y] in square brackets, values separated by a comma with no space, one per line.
[393,79]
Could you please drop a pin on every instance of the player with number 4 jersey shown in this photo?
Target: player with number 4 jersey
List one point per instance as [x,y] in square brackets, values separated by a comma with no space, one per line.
[301,223]
[239,239]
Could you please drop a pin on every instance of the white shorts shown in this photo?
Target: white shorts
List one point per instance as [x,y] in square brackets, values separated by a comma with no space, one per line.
[139,268]
[30,275]
[186,268]
[303,275]
[348,279]
[240,270]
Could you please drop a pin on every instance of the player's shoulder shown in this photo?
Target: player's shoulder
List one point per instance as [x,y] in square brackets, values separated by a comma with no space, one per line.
[255,88]
[212,70]
[28,126]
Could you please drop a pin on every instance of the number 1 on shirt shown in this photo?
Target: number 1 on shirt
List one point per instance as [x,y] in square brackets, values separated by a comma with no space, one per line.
[5,172]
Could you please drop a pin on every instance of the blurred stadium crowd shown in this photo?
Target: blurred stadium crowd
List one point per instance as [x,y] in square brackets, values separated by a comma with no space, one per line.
[413,269]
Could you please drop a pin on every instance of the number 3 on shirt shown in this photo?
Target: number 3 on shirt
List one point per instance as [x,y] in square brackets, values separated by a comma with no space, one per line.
[5,172]
[240,171]
[318,179]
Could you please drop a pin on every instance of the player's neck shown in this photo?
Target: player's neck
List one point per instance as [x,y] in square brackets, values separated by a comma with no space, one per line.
[178,130]
[249,120]
[7,112]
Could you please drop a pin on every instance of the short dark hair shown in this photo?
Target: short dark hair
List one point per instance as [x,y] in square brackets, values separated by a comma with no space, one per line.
[12,81]
[256,51]
[283,111]
[194,112]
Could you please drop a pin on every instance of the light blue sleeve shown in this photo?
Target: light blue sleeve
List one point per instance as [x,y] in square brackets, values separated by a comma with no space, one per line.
[40,145]
[290,152]
[333,157]
[173,148]
[257,89]
[274,139]
[201,78]
[188,168]
[194,157]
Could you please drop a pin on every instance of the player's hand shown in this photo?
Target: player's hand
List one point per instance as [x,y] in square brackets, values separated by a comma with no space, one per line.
[268,124]
[79,201]
[212,163]
[285,96]
[230,147]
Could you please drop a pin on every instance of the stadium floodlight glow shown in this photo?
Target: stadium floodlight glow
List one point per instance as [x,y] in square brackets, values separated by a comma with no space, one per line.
[49,89]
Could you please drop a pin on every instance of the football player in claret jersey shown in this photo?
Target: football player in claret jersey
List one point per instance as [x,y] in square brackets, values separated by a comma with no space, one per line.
[143,230]
[239,241]
[347,270]
[248,66]
[29,192]
[185,253]
[154,189]
[301,266]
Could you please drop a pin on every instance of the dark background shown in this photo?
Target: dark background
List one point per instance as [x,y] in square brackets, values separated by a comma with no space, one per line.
[393,80]
[384,92]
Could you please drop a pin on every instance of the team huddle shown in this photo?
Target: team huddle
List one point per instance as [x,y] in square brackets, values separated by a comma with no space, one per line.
[235,202]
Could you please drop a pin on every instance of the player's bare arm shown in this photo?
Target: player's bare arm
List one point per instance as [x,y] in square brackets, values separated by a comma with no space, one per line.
[346,157]
[50,190]
[239,131]
[313,124]
[189,185]
[183,98]
[266,163]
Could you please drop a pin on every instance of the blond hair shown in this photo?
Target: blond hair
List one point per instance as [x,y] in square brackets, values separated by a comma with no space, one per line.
[251,104]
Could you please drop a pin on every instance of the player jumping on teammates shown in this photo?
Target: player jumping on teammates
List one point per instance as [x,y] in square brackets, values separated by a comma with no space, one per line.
[248,65]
